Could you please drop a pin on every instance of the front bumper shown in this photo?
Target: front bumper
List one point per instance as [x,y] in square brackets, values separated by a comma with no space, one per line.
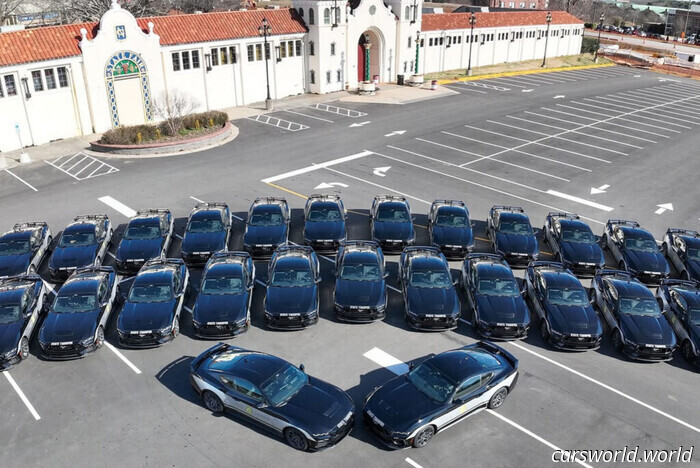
[260,250]
[519,259]
[383,434]
[60,275]
[584,269]
[216,330]
[196,258]
[334,437]
[290,322]
[648,277]
[359,314]
[433,323]
[323,245]
[574,342]
[66,351]
[503,331]
[648,353]
[394,245]
[7,364]
[455,251]
[142,339]
[129,267]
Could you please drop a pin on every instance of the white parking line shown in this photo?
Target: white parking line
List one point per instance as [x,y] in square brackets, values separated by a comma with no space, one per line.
[465,88]
[178,236]
[613,103]
[21,180]
[582,201]
[657,109]
[117,205]
[607,387]
[187,309]
[111,255]
[22,396]
[314,167]
[499,80]
[612,123]
[237,217]
[197,199]
[261,283]
[393,288]
[309,116]
[578,132]
[465,321]
[593,127]
[380,186]
[621,118]
[122,357]
[412,463]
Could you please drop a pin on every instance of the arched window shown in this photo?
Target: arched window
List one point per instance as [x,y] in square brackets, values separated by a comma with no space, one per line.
[408,13]
[327,16]
[312,20]
[301,12]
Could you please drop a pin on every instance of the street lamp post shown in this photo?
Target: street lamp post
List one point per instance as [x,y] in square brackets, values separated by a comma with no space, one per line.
[415,71]
[264,30]
[600,29]
[472,22]
[546,39]
[367,47]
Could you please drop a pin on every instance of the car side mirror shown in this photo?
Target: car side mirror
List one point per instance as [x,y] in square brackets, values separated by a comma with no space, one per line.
[411,366]
[301,367]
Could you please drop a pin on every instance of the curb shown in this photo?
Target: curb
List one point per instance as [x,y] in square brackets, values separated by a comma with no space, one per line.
[523,72]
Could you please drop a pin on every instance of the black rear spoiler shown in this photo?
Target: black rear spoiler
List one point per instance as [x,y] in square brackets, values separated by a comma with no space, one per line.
[495,349]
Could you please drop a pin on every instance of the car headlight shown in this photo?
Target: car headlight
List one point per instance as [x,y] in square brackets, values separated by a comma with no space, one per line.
[166,330]
[412,314]
[196,323]
[88,341]
[371,394]
[9,355]
[555,333]
[483,323]
[381,307]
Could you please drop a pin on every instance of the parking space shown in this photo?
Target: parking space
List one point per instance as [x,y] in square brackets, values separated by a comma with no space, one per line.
[81,166]
[294,119]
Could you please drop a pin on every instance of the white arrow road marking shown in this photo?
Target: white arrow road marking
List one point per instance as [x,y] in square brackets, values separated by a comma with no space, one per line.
[314,167]
[526,90]
[601,189]
[395,132]
[122,357]
[324,185]
[663,207]
[637,76]
[559,96]
[583,201]
[117,205]
[381,171]
[22,396]
[359,124]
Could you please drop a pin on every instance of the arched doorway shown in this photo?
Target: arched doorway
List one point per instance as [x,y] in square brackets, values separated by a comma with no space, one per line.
[128,89]
[375,53]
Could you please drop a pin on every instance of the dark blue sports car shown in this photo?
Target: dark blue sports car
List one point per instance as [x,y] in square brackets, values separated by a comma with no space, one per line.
[682,247]
[21,302]
[270,392]
[680,301]
[267,226]
[292,299]
[360,285]
[391,223]
[150,315]
[565,316]
[499,310]
[639,329]
[222,308]
[450,228]
[76,321]
[148,235]
[635,250]
[510,233]
[208,231]
[83,243]
[439,392]
[23,248]
[573,243]
[430,299]
[324,222]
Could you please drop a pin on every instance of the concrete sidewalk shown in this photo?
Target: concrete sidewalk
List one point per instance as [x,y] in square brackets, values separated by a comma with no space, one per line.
[386,94]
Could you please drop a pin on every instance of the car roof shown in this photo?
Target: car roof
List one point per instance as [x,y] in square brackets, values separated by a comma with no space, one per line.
[206,212]
[512,215]
[451,209]
[638,231]
[17,235]
[12,296]
[289,261]
[160,274]
[392,204]
[81,226]
[492,269]
[80,284]
[427,263]
[573,223]
[560,278]
[630,288]
[252,366]
[360,256]
[460,364]
[145,218]
[224,269]
[691,240]
[324,204]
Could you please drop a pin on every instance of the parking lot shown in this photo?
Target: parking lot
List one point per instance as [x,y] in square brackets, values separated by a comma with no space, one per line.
[605,143]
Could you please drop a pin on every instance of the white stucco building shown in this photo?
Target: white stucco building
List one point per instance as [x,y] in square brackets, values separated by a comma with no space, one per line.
[64,81]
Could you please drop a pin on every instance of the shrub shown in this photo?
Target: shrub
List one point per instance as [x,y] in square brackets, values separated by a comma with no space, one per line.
[208,119]
[589,45]
[588,25]
[128,135]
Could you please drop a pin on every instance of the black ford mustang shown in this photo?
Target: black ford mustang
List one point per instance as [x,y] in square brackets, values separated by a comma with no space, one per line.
[309,413]
[511,235]
[148,235]
[83,243]
[391,223]
[21,301]
[441,391]
[635,250]
[450,229]
[208,230]
[682,248]
[680,301]
[23,248]
[573,243]
[267,226]
[360,285]
[324,222]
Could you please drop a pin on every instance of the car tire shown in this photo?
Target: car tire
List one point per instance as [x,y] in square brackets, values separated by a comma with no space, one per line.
[296,439]
[423,437]
[498,398]
[24,348]
[212,402]
[544,333]
[664,249]
[176,326]
[617,340]
[100,337]
[604,242]
[687,351]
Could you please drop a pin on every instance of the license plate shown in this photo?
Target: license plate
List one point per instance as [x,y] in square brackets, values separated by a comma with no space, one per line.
[141,332]
[581,335]
[200,253]
[290,315]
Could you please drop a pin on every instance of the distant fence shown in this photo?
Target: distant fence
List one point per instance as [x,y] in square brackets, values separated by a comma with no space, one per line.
[670,65]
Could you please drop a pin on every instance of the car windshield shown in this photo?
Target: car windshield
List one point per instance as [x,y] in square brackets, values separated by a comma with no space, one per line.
[291,278]
[9,313]
[639,306]
[580,236]
[205,225]
[452,220]
[150,293]
[14,247]
[694,253]
[430,381]
[641,244]
[284,384]
[142,231]
[694,316]
[223,285]
[73,303]
[324,214]
[567,296]
[430,279]
[498,287]
[360,272]
[266,219]
[77,239]
[393,215]
[520,228]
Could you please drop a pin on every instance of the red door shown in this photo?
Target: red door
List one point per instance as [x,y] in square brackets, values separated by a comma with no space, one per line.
[360,62]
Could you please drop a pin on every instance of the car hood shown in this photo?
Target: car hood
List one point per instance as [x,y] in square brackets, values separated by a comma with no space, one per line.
[394,231]
[647,329]
[324,230]
[9,335]
[139,248]
[514,243]
[400,406]
[452,236]
[204,241]
[265,235]
[580,252]
[146,315]
[318,407]
[73,256]
[360,293]
[502,309]
[68,327]
[11,265]
[291,300]
[646,261]
[220,308]
[574,319]
[423,301]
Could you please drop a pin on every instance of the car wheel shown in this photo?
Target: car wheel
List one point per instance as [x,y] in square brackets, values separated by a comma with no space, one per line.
[604,242]
[664,248]
[498,398]
[423,437]
[296,439]
[176,326]
[617,340]
[24,348]
[212,402]
[544,235]
[544,333]
[687,351]
[100,338]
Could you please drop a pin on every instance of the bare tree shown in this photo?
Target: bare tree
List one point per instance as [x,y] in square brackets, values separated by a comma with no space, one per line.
[92,10]
[8,8]
[173,108]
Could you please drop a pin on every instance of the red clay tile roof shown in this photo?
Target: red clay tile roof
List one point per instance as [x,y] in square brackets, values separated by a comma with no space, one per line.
[440,22]
[54,42]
